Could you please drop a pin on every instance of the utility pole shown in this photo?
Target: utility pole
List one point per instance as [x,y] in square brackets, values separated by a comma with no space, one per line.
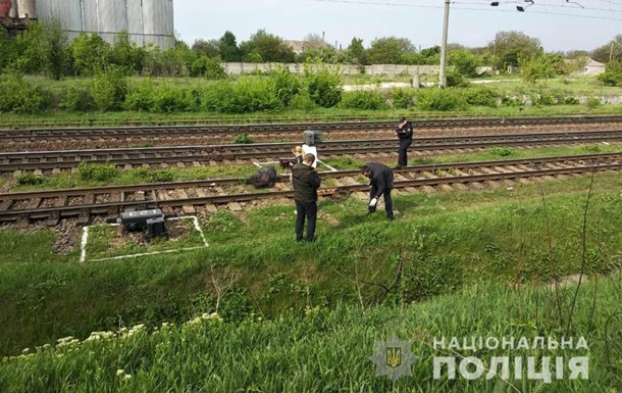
[442,77]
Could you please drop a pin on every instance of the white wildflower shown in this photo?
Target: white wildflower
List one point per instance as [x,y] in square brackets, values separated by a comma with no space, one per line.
[120,372]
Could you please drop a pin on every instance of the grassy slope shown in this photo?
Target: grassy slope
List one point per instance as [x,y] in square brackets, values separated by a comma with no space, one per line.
[328,351]
[447,241]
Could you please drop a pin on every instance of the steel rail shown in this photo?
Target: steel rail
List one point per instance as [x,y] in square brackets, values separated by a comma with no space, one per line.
[108,207]
[65,159]
[596,162]
[275,128]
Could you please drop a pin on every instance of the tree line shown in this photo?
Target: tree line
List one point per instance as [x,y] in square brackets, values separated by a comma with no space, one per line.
[45,49]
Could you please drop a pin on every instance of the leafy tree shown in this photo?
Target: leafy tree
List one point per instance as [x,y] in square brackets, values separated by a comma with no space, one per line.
[536,67]
[213,69]
[29,54]
[612,75]
[314,48]
[612,51]
[357,52]
[228,48]
[509,46]
[465,62]
[390,50]
[428,56]
[55,46]
[267,48]
[126,54]
[90,54]
[7,48]
[206,48]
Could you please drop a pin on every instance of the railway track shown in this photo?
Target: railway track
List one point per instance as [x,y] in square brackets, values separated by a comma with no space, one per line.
[104,133]
[214,154]
[179,198]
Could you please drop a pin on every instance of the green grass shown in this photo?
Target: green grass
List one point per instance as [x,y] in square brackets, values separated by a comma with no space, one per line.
[65,119]
[104,241]
[586,86]
[509,153]
[324,350]
[132,176]
[449,241]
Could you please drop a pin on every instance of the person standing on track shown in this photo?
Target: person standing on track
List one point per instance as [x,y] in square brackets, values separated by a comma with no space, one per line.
[405,133]
[306,182]
[381,184]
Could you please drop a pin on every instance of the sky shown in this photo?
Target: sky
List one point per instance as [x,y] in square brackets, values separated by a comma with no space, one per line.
[559,24]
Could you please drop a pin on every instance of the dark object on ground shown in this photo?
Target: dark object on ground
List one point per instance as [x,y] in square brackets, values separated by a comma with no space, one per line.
[265,177]
[149,221]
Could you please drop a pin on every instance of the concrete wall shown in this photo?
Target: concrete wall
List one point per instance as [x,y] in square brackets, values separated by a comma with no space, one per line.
[377,69]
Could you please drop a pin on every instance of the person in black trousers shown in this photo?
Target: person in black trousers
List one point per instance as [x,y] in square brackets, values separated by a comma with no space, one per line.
[381,183]
[405,133]
[306,182]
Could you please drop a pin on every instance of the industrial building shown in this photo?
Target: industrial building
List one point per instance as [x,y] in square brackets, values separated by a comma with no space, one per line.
[144,20]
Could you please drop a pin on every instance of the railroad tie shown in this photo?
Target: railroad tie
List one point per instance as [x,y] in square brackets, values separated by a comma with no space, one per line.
[89,199]
[5,205]
[189,210]
[234,206]
[33,203]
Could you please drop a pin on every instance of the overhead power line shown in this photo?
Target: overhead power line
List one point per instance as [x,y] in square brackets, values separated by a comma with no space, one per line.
[478,9]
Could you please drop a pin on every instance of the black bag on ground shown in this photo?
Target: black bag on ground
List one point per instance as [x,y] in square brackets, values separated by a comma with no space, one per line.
[265,177]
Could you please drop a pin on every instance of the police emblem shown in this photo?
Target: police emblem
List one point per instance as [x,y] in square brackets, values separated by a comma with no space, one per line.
[393,358]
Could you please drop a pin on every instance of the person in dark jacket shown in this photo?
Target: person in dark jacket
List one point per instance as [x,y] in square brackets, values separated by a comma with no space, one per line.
[306,181]
[381,184]
[405,134]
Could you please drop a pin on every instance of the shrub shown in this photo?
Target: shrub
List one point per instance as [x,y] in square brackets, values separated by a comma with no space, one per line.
[480,96]
[97,172]
[256,95]
[140,98]
[243,138]
[162,177]
[19,96]
[29,178]
[571,101]
[512,101]
[501,151]
[323,87]
[593,102]
[612,75]
[77,99]
[109,90]
[455,79]
[402,99]
[166,99]
[302,101]
[544,98]
[363,99]
[219,97]
[214,69]
[441,100]
[287,85]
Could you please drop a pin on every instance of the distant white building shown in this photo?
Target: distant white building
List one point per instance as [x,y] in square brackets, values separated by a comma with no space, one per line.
[297,46]
[593,68]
